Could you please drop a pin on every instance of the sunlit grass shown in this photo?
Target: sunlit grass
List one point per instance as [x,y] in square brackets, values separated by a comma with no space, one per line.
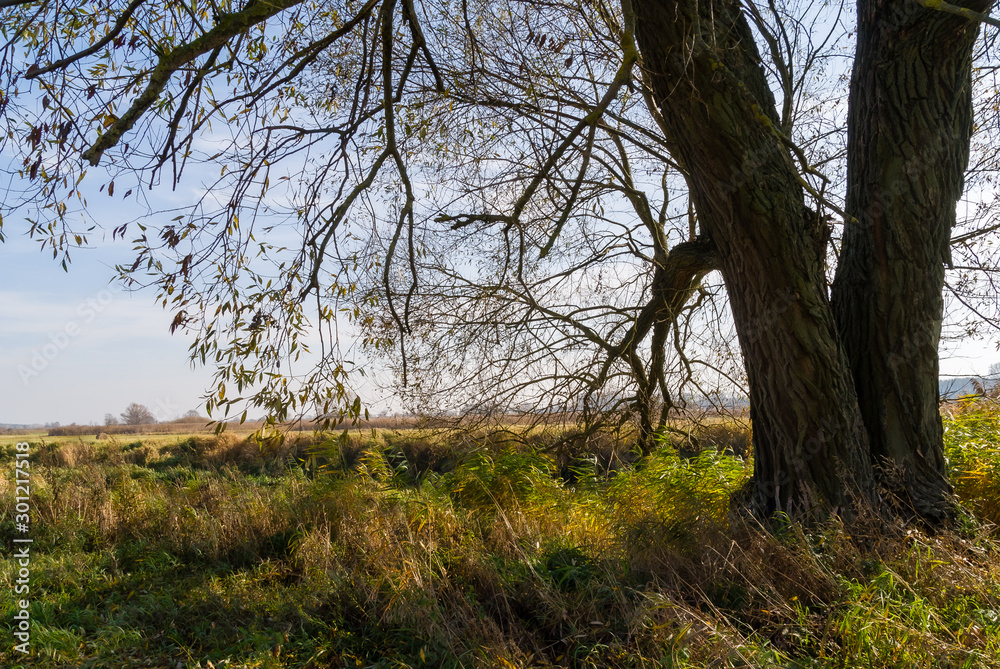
[972,446]
[399,549]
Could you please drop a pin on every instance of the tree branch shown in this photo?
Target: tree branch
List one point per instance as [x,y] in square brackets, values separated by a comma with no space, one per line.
[975,233]
[459,221]
[948,8]
[673,285]
[418,39]
[115,30]
[229,25]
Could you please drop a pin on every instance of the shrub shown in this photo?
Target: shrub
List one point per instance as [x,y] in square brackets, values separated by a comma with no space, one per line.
[972,447]
[505,481]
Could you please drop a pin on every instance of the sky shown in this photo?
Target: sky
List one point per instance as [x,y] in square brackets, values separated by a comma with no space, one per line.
[74,345]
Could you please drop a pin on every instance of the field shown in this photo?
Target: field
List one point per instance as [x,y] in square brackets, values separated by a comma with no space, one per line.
[400,548]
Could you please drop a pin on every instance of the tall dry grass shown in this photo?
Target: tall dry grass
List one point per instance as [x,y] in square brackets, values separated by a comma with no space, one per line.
[396,549]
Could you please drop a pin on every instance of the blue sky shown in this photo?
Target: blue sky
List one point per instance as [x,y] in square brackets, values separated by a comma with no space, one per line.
[74,345]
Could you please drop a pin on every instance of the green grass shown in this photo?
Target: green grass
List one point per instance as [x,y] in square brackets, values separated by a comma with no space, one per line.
[410,549]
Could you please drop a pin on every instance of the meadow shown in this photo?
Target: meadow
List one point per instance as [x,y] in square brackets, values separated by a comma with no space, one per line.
[407,548]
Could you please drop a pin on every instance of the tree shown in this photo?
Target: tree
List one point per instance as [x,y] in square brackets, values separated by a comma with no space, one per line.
[807,415]
[906,167]
[620,153]
[191,416]
[110,419]
[138,414]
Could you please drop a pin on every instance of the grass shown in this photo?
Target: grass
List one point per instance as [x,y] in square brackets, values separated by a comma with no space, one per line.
[407,549]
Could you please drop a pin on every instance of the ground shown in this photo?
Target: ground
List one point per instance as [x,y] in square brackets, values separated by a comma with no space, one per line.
[402,548]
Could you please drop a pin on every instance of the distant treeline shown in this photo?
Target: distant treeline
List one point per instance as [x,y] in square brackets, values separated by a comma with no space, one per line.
[197,423]
[175,426]
[445,422]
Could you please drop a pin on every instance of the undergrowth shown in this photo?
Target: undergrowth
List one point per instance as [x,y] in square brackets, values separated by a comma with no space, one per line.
[406,550]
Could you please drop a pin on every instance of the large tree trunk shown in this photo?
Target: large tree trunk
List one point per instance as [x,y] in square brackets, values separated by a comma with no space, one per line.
[810,447]
[909,125]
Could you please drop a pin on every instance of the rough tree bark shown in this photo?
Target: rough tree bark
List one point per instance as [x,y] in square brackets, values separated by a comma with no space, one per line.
[702,66]
[909,126]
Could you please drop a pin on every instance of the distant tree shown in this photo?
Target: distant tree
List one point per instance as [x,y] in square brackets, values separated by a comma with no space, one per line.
[110,419]
[191,416]
[138,414]
[992,381]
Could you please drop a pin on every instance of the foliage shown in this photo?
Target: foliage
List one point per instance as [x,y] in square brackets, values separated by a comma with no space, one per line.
[683,493]
[502,482]
[973,450]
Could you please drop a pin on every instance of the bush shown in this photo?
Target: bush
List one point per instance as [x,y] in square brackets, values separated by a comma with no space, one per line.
[972,448]
[503,482]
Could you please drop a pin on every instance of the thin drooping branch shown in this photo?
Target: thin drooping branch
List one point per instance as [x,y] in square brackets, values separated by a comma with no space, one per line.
[97,46]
